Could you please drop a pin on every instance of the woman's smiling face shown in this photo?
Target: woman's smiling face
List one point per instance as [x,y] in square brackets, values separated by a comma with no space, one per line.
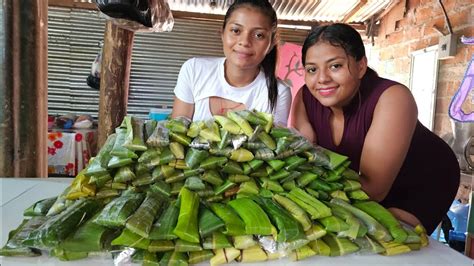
[332,76]
[247,38]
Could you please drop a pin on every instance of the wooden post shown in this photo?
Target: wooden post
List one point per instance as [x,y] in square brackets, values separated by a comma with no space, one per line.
[24,113]
[114,79]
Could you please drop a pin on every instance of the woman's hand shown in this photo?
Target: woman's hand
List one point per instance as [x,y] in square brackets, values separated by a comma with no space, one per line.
[181,108]
[299,118]
[387,141]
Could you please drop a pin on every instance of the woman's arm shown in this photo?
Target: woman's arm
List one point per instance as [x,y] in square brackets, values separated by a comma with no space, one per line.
[387,141]
[183,104]
[283,105]
[299,118]
[181,108]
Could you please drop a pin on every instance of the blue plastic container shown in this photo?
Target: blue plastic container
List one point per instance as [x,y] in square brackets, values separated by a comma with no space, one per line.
[159,113]
[458,214]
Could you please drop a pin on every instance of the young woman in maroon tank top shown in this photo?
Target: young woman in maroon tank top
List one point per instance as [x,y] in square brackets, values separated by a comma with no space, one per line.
[346,107]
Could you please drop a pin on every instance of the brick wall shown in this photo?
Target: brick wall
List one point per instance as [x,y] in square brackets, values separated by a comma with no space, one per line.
[416,31]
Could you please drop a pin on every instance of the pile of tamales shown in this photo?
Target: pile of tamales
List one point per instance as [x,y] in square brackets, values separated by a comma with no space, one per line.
[235,187]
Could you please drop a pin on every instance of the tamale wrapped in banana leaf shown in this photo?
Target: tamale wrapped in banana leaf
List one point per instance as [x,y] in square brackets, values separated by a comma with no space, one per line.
[213,162]
[194,157]
[124,174]
[187,225]
[149,154]
[149,127]
[134,140]
[116,162]
[58,227]
[118,149]
[252,117]
[163,227]
[216,240]
[212,177]
[162,188]
[141,221]
[367,245]
[228,124]
[129,239]
[178,124]
[243,124]
[98,165]
[233,224]
[15,246]
[180,138]
[116,213]
[161,246]
[177,149]
[194,183]
[196,257]
[232,167]
[186,246]
[208,222]
[264,154]
[89,237]
[194,128]
[65,255]
[173,258]
[40,208]
[100,180]
[211,132]
[288,228]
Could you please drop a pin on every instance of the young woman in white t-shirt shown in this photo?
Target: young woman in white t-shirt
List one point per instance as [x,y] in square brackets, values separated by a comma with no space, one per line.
[245,77]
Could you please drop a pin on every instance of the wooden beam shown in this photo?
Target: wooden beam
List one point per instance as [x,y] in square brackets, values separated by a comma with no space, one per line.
[309,23]
[24,117]
[6,94]
[115,77]
[72,4]
[354,10]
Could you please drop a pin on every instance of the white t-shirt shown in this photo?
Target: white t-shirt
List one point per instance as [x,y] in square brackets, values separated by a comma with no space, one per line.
[202,78]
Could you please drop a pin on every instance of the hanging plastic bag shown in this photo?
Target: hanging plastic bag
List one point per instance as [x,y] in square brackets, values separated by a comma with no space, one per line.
[93,80]
[138,15]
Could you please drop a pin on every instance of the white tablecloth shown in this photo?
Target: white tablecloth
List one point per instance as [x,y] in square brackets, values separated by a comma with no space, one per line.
[18,194]
[69,151]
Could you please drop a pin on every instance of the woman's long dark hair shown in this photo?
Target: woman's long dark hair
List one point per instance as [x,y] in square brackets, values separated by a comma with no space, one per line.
[269,63]
[337,34]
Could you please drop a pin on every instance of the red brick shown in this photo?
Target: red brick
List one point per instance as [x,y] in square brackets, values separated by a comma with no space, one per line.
[395,37]
[417,46]
[443,124]
[425,14]
[442,105]
[459,18]
[438,123]
[414,33]
[442,88]
[453,87]
[386,54]
[413,4]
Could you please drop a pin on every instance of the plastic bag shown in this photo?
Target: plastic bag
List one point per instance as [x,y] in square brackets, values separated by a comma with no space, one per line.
[83,121]
[138,15]
[93,80]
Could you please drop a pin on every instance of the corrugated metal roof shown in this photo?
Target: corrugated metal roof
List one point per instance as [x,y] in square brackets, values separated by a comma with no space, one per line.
[349,11]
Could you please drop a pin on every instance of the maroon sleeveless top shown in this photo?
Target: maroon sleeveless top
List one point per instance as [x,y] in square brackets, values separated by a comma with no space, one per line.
[429,177]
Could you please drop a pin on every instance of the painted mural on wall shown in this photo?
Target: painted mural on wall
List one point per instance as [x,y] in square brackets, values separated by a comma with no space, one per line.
[290,68]
[462,114]
[465,93]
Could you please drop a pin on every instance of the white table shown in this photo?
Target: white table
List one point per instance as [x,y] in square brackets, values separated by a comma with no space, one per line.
[18,194]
